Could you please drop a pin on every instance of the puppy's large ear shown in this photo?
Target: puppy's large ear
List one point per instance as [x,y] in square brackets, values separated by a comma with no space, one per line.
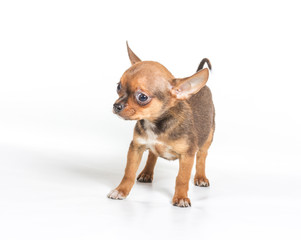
[134,59]
[186,87]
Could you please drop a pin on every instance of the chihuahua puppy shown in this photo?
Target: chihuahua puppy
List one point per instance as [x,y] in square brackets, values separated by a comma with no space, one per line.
[175,120]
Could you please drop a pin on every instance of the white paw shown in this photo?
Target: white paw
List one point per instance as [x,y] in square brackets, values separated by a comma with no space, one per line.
[115,194]
[146,178]
[201,182]
[181,202]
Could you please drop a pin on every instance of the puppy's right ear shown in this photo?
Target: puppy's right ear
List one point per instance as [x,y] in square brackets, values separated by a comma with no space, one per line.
[134,59]
[184,88]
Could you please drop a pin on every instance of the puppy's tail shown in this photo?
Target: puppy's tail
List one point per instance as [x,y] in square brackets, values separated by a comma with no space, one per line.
[202,63]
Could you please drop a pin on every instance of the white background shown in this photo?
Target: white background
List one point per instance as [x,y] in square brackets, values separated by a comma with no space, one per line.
[62,150]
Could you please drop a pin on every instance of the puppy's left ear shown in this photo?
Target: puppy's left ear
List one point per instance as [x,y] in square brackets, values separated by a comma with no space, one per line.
[134,59]
[186,87]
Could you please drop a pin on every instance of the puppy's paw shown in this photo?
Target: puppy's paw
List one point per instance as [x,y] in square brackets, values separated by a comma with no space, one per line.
[201,182]
[115,194]
[145,177]
[181,202]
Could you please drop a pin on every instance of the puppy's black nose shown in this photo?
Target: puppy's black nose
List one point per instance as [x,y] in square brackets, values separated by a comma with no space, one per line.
[118,107]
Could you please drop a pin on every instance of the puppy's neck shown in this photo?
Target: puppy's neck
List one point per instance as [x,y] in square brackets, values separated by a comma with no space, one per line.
[168,120]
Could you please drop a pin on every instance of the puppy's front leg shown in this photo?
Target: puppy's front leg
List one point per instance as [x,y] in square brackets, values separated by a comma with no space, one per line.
[133,160]
[180,198]
[147,173]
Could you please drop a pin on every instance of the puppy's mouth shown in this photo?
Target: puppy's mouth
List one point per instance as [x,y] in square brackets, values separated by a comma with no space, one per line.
[126,114]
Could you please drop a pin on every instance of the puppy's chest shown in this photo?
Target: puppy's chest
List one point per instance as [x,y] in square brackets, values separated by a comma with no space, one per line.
[157,144]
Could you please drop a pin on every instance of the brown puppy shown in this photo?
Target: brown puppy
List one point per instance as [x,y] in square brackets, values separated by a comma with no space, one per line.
[175,120]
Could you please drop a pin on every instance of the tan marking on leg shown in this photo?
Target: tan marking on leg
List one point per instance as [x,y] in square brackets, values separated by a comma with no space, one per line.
[200,176]
[148,172]
[180,198]
[133,160]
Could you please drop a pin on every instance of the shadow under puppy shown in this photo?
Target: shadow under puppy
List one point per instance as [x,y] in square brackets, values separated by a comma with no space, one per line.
[175,120]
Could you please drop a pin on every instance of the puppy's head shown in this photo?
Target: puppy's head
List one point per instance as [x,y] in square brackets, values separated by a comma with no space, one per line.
[147,89]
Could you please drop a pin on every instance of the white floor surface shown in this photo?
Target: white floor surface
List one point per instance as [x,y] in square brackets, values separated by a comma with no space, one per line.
[56,195]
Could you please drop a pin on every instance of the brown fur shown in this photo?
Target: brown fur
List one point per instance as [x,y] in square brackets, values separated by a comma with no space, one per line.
[147,173]
[200,176]
[176,122]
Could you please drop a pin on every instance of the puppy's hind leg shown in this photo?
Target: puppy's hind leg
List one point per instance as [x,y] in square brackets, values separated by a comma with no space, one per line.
[148,172]
[200,178]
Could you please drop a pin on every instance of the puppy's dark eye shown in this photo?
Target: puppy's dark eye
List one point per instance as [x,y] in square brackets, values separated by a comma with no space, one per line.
[142,97]
[118,87]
